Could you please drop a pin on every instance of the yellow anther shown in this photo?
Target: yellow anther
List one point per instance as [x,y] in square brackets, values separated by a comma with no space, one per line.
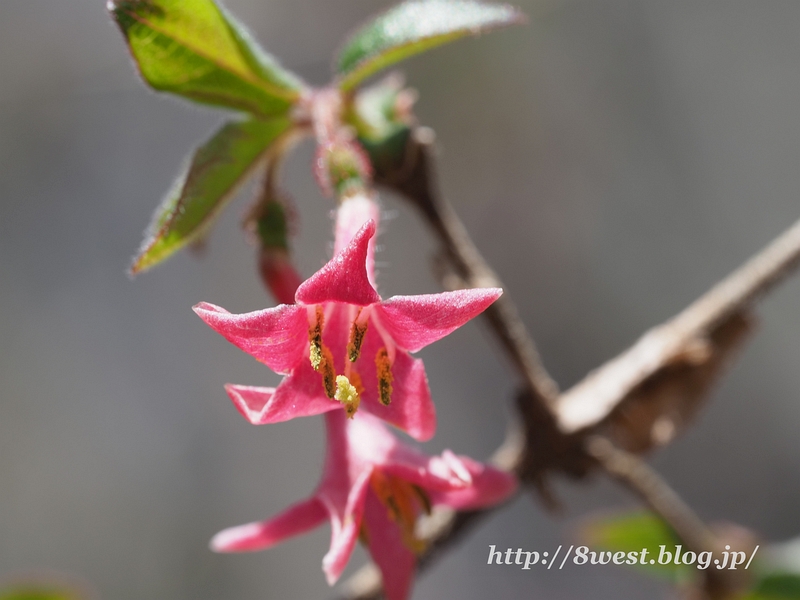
[328,372]
[347,394]
[385,378]
[356,339]
[316,354]
[320,355]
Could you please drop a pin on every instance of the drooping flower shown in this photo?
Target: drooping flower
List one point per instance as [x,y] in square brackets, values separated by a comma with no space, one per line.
[341,345]
[374,488]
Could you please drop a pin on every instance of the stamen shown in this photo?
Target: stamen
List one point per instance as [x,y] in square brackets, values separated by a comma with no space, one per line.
[402,500]
[388,340]
[315,339]
[347,394]
[328,372]
[423,499]
[319,354]
[355,379]
[356,339]
[383,367]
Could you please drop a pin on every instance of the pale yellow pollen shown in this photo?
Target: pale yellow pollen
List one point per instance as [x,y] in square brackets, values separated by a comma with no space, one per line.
[316,354]
[347,394]
[320,355]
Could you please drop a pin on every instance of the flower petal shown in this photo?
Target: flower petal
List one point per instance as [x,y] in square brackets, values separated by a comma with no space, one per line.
[396,562]
[411,409]
[489,486]
[299,395]
[351,215]
[295,520]
[444,473]
[275,336]
[344,278]
[345,526]
[250,401]
[416,321]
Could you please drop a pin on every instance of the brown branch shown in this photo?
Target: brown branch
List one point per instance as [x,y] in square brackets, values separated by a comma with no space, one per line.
[594,398]
[634,473]
[416,181]
[557,428]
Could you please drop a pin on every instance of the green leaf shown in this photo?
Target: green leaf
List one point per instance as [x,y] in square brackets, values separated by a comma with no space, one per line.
[36,593]
[373,111]
[776,586]
[195,49]
[413,27]
[631,532]
[212,176]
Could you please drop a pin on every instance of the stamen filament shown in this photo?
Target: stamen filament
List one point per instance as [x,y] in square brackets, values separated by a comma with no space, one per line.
[388,340]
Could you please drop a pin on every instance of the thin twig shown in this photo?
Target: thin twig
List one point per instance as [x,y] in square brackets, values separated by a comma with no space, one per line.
[594,398]
[418,185]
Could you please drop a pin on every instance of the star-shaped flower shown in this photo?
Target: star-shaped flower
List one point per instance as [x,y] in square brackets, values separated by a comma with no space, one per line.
[342,346]
[373,488]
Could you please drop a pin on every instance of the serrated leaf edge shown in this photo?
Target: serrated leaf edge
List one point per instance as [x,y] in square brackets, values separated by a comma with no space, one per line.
[364,69]
[288,95]
[140,263]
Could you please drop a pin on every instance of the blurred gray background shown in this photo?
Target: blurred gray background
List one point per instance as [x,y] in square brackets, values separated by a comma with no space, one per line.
[612,159]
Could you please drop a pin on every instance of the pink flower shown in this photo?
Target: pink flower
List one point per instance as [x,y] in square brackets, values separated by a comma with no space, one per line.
[340,345]
[373,488]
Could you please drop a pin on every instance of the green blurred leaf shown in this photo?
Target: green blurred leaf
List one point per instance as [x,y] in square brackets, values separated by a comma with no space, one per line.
[374,111]
[37,593]
[776,586]
[195,49]
[413,27]
[631,532]
[212,176]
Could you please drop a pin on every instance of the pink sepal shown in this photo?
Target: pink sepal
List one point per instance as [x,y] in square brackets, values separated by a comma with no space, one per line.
[412,409]
[276,336]
[396,562]
[344,279]
[296,396]
[489,486]
[416,321]
[345,526]
[295,520]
